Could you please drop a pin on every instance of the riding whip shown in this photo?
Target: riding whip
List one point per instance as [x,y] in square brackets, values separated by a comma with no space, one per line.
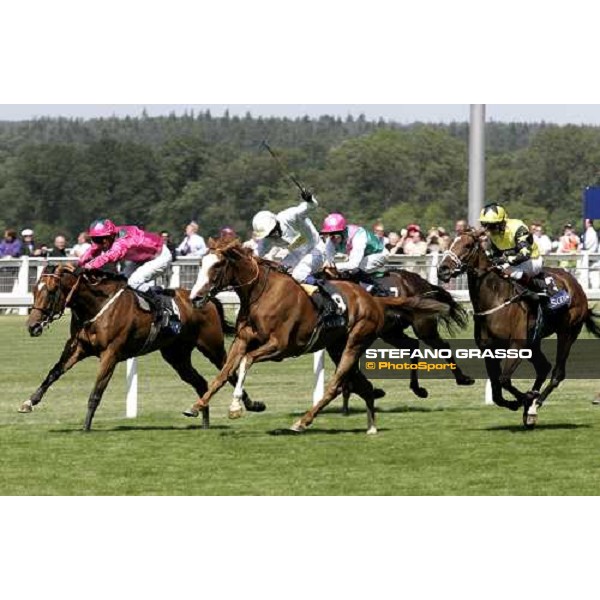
[283,170]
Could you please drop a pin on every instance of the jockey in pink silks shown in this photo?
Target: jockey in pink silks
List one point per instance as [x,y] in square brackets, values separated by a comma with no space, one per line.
[145,252]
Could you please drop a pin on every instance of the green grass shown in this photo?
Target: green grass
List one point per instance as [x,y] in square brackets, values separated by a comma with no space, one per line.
[449,444]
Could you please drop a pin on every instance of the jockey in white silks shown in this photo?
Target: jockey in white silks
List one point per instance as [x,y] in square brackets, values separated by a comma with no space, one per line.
[292,230]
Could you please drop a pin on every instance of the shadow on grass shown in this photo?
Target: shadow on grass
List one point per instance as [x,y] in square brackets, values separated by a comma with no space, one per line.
[542,427]
[129,428]
[378,409]
[317,431]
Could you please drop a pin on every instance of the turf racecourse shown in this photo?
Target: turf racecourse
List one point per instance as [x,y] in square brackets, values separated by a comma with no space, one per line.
[449,444]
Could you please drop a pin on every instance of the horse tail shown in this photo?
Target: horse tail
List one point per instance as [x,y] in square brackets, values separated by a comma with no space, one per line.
[590,323]
[404,311]
[456,317]
[227,327]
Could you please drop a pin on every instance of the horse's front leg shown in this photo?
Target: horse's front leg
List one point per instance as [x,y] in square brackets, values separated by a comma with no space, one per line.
[494,371]
[72,353]
[234,358]
[108,362]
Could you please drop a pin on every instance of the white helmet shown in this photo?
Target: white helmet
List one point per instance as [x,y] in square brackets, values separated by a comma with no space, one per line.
[263,224]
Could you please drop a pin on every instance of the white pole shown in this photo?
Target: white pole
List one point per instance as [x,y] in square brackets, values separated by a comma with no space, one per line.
[488,393]
[319,371]
[132,389]
[476,163]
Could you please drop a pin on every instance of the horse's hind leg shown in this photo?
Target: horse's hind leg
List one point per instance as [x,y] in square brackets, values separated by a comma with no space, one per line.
[180,358]
[564,342]
[71,355]
[403,341]
[348,361]
[108,362]
[427,331]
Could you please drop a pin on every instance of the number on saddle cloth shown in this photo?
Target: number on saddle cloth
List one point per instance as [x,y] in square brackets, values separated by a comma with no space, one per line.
[329,302]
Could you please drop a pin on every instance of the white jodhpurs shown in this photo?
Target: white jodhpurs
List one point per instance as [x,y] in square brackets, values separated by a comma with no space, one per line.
[373,262]
[141,279]
[530,267]
[304,265]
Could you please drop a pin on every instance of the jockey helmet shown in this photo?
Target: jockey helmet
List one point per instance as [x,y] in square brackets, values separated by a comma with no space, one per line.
[227,231]
[492,214]
[263,224]
[102,228]
[334,223]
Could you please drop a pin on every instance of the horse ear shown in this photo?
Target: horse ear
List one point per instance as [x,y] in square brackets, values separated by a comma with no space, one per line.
[480,233]
[212,243]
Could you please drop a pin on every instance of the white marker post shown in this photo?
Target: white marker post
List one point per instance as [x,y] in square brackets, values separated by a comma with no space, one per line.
[132,389]
[319,371]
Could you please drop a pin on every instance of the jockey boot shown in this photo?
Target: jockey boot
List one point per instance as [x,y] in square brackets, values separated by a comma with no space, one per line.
[163,309]
[327,307]
[545,286]
[367,281]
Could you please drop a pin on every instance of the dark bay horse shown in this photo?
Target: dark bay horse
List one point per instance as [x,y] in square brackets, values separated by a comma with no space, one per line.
[503,316]
[278,320]
[107,322]
[426,328]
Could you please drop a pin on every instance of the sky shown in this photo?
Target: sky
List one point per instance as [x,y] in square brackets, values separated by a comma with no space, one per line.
[403,113]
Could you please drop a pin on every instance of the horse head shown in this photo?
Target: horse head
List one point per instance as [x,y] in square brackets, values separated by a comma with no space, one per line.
[51,296]
[466,252]
[227,265]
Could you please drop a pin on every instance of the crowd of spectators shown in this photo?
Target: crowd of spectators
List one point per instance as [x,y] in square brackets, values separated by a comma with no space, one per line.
[411,240]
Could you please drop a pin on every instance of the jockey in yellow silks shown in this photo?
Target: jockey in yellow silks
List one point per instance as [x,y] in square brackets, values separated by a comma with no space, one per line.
[513,250]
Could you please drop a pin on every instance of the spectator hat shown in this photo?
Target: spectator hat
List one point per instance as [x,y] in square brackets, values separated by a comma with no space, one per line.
[413,227]
[27,232]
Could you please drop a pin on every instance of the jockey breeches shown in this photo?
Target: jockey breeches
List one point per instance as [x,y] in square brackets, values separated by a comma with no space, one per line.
[142,277]
[530,267]
[303,265]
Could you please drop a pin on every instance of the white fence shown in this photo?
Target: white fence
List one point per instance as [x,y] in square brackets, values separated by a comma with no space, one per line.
[19,275]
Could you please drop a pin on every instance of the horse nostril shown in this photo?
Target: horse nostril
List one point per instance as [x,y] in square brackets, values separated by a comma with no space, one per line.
[36,330]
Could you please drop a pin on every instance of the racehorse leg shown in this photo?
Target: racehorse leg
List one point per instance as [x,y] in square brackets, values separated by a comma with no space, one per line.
[494,371]
[348,362]
[236,353]
[108,362]
[432,338]
[399,340]
[564,343]
[180,358]
[542,367]
[218,357]
[71,355]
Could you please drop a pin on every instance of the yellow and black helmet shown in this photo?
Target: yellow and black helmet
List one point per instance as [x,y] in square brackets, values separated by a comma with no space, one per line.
[492,214]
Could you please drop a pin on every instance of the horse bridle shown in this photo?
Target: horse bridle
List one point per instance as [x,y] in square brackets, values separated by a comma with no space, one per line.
[53,313]
[219,286]
[460,264]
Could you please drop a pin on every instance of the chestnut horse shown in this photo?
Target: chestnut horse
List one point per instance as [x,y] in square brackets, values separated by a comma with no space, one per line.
[505,317]
[107,322]
[404,283]
[278,320]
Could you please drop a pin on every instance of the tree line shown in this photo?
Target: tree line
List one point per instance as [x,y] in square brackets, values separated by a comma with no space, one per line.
[58,175]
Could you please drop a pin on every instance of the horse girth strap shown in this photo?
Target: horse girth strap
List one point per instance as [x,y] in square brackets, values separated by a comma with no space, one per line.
[491,311]
[106,306]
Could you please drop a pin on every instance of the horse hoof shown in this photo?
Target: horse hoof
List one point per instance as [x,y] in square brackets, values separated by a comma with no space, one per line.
[192,413]
[378,394]
[297,427]
[530,421]
[26,407]
[421,393]
[236,414]
[257,407]
[372,431]
[465,381]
